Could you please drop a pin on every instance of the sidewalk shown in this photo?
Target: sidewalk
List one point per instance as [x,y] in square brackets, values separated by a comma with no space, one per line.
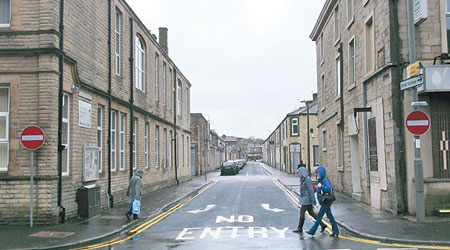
[111,222]
[363,220]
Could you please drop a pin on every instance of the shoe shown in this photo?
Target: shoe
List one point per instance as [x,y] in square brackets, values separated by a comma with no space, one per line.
[298,230]
[128,216]
[323,229]
[310,233]
[136,217]
[334,235]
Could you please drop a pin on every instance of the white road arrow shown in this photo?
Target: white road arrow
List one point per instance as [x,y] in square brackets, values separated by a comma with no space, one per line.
[267,207]
[208,207]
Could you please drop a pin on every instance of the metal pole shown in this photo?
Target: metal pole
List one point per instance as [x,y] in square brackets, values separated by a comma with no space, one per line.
[31,187]
[309,146]
[418,168]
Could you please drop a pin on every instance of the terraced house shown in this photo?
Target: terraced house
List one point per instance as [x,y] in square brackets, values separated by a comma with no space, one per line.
[107,95]
[363,50]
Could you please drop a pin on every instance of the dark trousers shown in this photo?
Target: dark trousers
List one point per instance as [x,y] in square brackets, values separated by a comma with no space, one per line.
[325,209]
[310,210]
[130,212]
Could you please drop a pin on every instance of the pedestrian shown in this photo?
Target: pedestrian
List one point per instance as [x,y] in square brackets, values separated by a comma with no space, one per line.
[306,199]
[302,164]
[134,192]
[323,187]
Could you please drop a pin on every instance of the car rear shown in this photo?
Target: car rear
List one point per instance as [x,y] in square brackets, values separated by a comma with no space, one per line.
[229,167]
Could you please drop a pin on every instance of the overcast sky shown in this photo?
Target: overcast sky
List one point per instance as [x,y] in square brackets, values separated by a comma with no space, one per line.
[250,62]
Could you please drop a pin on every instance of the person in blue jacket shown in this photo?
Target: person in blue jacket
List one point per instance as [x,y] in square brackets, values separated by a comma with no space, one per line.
[324,185]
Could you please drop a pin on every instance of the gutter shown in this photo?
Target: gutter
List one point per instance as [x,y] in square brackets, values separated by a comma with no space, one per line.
[61,148]
[109,194]
[131,101]
[175,134]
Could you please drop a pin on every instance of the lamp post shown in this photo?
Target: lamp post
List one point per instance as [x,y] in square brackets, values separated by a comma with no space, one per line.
[308,135]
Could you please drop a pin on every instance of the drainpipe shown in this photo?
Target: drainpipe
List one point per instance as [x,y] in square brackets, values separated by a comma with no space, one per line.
[366,135]
[110,196]
[131,98]
[61,148]
[175,125]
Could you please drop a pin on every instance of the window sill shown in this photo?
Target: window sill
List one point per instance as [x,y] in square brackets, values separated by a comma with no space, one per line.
[337,40]
[7,25]
[340,169]
[323,109]
[351,87]
[350,23]
[322,62]
[324,149]
[337,98]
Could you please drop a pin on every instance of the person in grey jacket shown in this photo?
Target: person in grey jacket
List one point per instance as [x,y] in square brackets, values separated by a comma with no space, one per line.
[306,199]
[134,192]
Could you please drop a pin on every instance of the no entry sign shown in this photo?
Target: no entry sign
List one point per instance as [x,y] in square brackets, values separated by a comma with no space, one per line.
[32,137]
[418,123]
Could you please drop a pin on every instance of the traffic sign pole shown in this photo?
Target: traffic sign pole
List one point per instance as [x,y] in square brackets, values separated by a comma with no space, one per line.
[31,187]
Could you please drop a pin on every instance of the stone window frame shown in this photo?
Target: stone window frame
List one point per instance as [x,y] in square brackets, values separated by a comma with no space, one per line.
[113,132]
[352,84]
[156,77]
[337,24]
[350,12]
[444,29]
[339,146]
[322,57]
[139,63]
[170,148]
[156,146]
[164,84]
[164,159]
[169,86]
[187,151]
[369,19]
[182,151]
[323,89]
[8,24]
[100,111]
[179,98]
[6,114]
[337,61]
[122,140]
[324,140]
[66,120]
[135,128]
[118,41]
[292,126]
[146,144]
[316,155]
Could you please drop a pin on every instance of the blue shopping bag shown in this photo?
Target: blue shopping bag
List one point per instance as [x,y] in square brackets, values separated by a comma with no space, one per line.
[136,207]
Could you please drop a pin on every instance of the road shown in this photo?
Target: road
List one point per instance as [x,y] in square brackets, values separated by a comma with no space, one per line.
[247,211]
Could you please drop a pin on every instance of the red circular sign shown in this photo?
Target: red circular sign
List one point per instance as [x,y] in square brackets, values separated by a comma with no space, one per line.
[418,122]
[32,137]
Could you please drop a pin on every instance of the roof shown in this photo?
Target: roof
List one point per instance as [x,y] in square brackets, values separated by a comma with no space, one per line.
[313,107]
[322,19]
[229,138]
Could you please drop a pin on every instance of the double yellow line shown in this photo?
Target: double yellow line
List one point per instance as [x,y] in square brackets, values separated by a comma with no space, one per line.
[294,198]
[144,226]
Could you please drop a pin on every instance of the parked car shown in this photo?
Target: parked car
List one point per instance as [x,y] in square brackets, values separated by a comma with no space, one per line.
[241,163]
[229,167]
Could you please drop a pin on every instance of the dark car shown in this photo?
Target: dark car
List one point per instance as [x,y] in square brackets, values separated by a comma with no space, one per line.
[229,167]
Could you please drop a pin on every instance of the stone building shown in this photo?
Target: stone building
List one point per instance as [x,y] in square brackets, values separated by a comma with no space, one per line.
[362,53]
[288,143]
[107,95]
[200,141]
[216,151]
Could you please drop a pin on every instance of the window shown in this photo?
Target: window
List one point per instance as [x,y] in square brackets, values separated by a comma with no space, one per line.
[316,154]
[337,26]
[340,145]
[187,151]
[338,76]
[117,31]
[65,134]
[182,150]
[294,126]
[321,48]
[350,11]
[100,137]
[373,152]
[164,163]
[146,144]
[322,79]
[164,85]
[140,64]
[113,139]
[170,148]
[447,17]
[122,142]
[351,62]
[4,128]
[169,88]
[179,98]
[5,13]
[370,49]
[135,127]
[157,146]
[156,76]
[187,103]
[324,140]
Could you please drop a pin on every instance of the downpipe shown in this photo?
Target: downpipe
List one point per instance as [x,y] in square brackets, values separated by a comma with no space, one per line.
[108,193]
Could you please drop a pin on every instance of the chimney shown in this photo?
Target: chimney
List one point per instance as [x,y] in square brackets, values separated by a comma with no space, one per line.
[314,96]
[163,39]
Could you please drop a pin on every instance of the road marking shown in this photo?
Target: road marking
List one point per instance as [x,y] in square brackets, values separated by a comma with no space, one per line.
[267,207]
[241,218]
[208,207]
[232,232]
[144,226]
[259,230]
[397,248]
[373,242]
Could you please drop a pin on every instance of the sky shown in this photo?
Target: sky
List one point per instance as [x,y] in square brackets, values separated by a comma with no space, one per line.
[250,62]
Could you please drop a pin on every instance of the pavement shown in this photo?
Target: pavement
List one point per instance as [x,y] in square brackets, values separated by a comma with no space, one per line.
[362,220]
[110,223]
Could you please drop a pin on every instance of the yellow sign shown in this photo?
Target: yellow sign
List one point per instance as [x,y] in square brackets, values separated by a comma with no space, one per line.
[412,69]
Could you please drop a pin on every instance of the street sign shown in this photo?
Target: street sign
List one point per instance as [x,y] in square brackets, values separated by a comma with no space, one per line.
[32,137]
[413,69]
[411,82]
[418,122]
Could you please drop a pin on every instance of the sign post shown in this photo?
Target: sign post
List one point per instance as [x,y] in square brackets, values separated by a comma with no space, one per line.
[32,138]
